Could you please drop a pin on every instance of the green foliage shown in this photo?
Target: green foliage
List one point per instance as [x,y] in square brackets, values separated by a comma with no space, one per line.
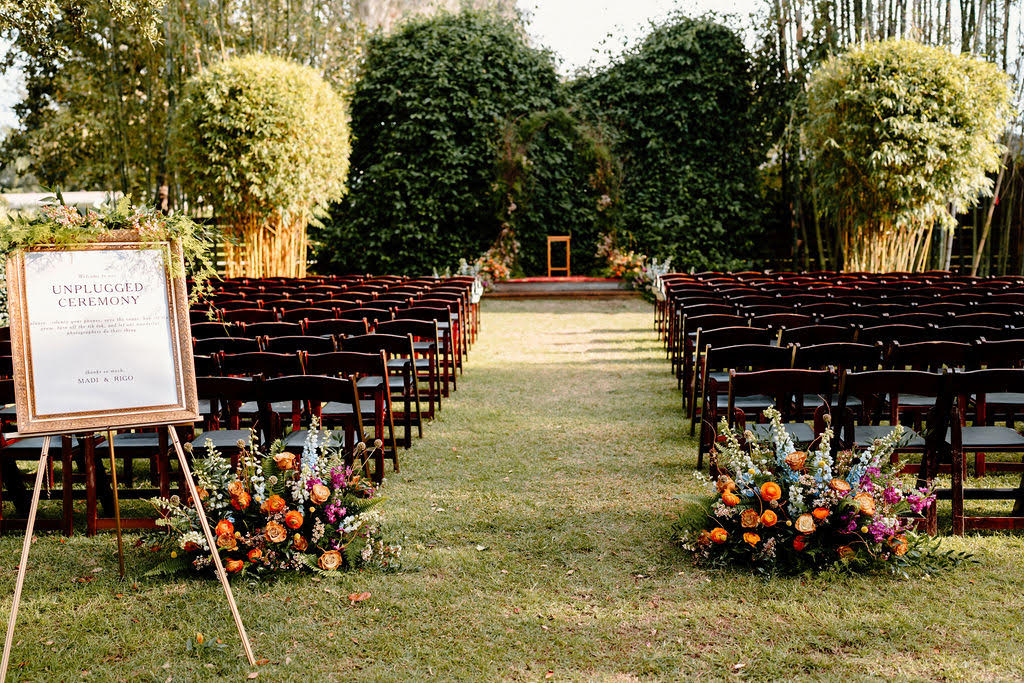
[60,225]
[260,136]
[680,105]
[427,117]
[898,131]
[556,176]
[264,142]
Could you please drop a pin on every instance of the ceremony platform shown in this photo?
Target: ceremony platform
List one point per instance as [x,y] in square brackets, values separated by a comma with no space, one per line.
[559,287]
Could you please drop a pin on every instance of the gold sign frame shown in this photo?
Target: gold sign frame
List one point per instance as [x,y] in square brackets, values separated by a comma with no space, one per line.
[185,410]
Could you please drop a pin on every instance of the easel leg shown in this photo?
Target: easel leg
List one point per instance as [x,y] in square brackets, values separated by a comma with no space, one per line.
[23,565]
[212,543]
[117,503]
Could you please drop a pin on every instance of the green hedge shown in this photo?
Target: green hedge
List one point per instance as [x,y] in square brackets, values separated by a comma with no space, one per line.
[557,178]
[680,106]
[427,116]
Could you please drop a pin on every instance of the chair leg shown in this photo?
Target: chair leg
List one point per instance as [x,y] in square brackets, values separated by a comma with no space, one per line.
[66,485]
[959,464]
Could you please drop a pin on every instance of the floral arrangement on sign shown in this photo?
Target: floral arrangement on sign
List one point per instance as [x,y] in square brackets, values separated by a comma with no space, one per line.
[277,512]
[61,225]
[775,509]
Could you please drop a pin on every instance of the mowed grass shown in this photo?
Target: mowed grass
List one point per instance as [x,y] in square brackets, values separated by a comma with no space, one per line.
[535,518]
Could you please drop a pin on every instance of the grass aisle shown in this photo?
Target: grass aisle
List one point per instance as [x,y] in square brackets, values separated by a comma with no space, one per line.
[535,521]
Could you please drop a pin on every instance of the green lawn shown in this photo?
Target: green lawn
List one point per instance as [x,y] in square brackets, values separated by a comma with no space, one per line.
[535,518]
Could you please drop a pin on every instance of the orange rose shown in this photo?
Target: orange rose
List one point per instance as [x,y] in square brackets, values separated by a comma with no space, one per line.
[235,488]
[224,526]
[796,460]
[839,485]
[846,552]
[319,494]
[285,461]
[300,543]
[275,533]
[770,491]
[255,555]
[227,542]
[804,523]
[866,502]
[725,483]
[203,493]
[719,535]
[274,504]
[899,545]
[293,519]
[750,538]
[769,518]
[820,513]
[234,565]
[241,501]
[799,543]
[329,561]
[730,498]
[749,518]
[191,547]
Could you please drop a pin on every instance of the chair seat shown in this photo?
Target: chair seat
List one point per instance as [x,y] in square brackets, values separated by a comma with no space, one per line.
[369,383]
[334,408]
[722,377]
[400,363]
[142,440]
[298,438]
[916,401]
[813,401]
[395,383]
[422,347]
[865,434]
[990,437]
[801,432]
[746,403]
[252,407]
[223,439]
[1005,398]
[34,444]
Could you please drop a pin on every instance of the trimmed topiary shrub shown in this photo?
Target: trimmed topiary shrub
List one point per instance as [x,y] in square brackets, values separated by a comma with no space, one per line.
[898,131]
[679,107]
[264,142]
[427,117]
[557,177]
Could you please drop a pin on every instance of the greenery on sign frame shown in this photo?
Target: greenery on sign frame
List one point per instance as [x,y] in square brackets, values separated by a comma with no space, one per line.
[61,225]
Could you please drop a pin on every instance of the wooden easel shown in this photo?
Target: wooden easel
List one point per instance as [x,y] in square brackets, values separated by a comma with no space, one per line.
[30,524]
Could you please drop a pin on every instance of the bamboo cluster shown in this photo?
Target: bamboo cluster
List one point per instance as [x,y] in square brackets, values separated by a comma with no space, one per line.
[267,248]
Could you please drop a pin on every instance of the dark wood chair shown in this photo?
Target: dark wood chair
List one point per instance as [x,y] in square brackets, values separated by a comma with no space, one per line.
[980,439]
[402,382]
[370,372]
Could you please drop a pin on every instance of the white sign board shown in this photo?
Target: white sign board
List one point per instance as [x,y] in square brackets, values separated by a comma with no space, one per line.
[100,338]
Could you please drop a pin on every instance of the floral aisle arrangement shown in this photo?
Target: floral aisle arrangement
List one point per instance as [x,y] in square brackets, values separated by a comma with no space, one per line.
[638,271]
[775,509]
[277,512]
[495,264]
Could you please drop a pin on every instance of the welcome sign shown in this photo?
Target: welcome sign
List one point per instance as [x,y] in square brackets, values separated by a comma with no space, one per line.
[100,336]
